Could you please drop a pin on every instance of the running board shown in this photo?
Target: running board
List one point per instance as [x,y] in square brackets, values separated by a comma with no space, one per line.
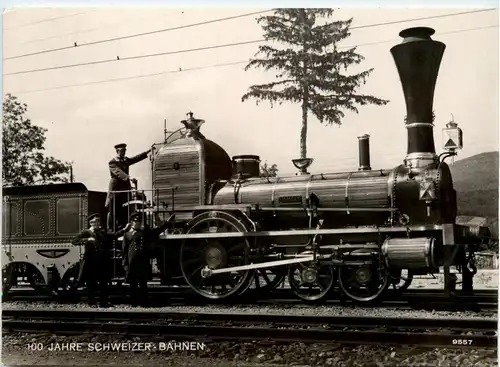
[302,232]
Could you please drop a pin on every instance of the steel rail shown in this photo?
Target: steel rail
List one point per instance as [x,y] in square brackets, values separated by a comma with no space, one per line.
[359,330]
[352,321]
[416,298]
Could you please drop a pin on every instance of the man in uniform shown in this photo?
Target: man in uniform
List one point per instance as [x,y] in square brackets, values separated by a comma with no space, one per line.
[137,252]
[120,181]
[95,266]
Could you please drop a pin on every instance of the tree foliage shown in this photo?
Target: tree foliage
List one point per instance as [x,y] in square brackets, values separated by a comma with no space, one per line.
[268,170]
[310,68]
[23,160]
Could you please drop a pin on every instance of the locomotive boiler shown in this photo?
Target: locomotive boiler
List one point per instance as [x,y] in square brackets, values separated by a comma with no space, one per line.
[357,230]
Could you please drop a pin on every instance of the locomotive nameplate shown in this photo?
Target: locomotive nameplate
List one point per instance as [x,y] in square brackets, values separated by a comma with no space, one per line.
[290,199]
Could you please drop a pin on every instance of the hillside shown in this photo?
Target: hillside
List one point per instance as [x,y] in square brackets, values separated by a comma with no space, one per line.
[476,181]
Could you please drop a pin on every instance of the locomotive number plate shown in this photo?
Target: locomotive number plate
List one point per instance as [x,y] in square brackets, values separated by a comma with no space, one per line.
[290,199]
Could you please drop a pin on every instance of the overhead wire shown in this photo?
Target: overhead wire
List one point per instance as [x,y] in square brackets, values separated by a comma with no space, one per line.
[211,66]
[48,20]
[182,51]
[138,34]
[79,32]
[135,57]
[229,18]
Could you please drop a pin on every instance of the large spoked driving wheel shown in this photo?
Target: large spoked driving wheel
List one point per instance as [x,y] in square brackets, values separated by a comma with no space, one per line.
[311,282]
[364,283]
[216,253]
[401,279]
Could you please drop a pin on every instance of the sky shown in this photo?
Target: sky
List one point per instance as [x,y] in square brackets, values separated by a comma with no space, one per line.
[86,116]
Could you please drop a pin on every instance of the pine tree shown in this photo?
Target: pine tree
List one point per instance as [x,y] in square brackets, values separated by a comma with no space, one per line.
[310,67]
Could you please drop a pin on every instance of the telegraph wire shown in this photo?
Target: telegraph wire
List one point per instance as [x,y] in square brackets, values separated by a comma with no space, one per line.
[138,34]
[423,18]
[136,57]
[193,50]
[49,20]
[229,18]
[214,65]
[133,77]
[80,32]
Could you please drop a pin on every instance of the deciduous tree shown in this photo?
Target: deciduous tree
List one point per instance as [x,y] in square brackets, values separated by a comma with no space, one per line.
[311,70]
[268,170]
[23,160]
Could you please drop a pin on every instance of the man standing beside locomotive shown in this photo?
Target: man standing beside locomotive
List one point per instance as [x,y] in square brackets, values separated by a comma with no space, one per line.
[120,181]
[96,265]
[137,252]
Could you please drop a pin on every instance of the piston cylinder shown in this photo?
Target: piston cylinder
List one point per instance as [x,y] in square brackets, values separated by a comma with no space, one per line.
[409,253]
[246,166]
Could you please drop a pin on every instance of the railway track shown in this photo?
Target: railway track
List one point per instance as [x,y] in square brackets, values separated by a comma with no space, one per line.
[209,327]
[160,296]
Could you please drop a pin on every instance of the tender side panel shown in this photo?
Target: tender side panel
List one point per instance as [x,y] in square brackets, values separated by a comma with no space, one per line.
[37,229]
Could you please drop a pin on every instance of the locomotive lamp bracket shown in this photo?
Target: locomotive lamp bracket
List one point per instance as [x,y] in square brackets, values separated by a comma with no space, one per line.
[452,136]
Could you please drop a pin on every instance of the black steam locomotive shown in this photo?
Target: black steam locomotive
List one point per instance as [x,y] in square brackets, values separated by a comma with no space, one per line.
[358,230]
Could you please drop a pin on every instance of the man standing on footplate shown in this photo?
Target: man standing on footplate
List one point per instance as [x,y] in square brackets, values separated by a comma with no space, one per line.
[120,181]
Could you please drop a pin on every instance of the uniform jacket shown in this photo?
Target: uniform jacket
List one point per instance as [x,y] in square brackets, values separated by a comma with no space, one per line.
[137,250]
[118,169]
[97,253]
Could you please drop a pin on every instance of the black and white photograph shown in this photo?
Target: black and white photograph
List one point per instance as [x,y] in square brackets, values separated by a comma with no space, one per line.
[250,184]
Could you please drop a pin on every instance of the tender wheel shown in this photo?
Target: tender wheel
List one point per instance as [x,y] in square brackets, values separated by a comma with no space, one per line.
[364,283]
[8,279]
[36,281]
[216,253]
[311,282]
[69,285]
[401,280]
[266,280]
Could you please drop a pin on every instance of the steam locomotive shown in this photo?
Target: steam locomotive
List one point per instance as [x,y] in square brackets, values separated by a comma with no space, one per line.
[357,231]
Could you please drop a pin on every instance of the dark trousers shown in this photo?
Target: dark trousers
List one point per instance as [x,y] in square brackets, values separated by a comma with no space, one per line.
[117,214]
[98,274]
[139,293]
[100,287]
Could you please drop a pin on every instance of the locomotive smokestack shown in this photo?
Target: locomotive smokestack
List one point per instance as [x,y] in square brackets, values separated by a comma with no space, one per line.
[418,59]
[364,153]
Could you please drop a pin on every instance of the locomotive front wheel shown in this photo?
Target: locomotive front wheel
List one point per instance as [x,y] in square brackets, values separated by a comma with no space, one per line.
[402,280]
[311,282]
[216,253]
[364,283]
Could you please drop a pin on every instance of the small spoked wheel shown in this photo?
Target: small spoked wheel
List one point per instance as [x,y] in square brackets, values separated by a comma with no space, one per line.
[401,279]
[364,283]
[199,257]
[311,282]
